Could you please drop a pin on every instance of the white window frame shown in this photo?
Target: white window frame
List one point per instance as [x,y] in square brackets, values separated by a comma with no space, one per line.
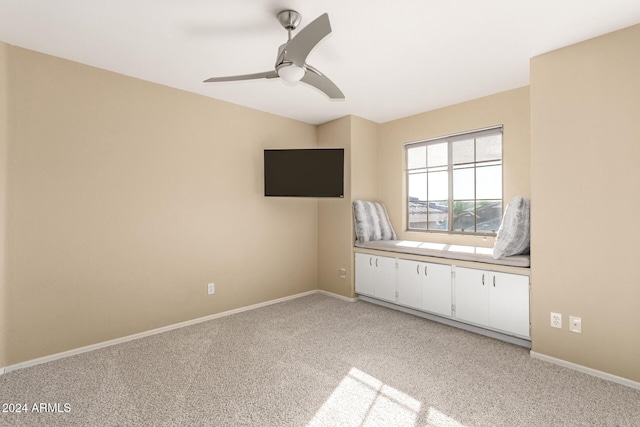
[450,139]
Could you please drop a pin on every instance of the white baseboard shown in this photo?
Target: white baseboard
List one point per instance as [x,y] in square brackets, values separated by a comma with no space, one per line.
[584,369]
[342,297]
[109,343]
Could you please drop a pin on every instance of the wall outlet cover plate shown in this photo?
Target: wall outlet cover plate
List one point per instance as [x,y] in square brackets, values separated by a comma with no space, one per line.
[575,324]
[556,320]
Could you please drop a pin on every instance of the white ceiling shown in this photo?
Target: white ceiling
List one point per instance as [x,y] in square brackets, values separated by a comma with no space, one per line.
[391,59]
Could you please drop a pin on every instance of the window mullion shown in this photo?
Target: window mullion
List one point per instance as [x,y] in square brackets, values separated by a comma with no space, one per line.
[475,186]
[450,178]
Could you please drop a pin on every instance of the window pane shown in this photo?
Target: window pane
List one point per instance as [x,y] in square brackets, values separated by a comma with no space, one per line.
[438,215]
[417,157]
[417,215]
[417,186]
[454,183]
[489,182]
[463,183]
[464,215]
[489,215]
[489,148]
[463,151]
[438,185]
[437,154]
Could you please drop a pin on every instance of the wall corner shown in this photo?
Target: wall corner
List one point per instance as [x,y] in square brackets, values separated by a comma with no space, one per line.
[4,143]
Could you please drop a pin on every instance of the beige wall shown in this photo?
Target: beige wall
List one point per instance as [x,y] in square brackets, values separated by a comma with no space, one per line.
[510,109]
[365,184]
[334,224]
[126,198]
[3,192]
[585,116]
[359,138]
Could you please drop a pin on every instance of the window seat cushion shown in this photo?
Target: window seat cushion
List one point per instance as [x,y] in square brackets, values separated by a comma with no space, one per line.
[441,250]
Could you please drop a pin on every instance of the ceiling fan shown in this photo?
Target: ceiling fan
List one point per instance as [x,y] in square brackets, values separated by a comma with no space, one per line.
[291,63]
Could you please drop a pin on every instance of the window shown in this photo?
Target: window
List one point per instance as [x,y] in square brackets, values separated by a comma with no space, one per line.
[454,183]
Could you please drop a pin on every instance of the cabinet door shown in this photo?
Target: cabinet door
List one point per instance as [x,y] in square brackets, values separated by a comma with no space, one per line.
[472,295]
[385,278]
[509,303]
[364,274]
[436,289]
[410,276]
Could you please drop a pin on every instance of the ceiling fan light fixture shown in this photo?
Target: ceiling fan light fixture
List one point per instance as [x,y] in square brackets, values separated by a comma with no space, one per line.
[291,72]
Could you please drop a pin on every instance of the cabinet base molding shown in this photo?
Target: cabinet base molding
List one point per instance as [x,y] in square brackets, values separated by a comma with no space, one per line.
[451,322]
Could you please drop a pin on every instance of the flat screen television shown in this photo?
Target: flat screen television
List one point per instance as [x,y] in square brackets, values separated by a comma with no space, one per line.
[304,172]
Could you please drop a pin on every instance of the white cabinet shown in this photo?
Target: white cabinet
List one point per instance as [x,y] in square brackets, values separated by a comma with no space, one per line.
[365,275]
[410,283]
[436,289]
[425,286]
[509,303]
[497,300]
[376,276]
[491,300]
[472,295]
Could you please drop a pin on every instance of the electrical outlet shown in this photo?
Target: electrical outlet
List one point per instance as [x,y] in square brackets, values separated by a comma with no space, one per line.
[210,288]
[343,273]
[575,324]
[556,320]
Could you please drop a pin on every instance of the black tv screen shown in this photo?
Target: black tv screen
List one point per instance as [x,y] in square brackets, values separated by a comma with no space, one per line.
[304,172]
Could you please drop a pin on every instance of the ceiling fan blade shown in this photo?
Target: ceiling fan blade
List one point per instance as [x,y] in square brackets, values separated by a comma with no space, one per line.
[302,43]
[321,82]
[264,75]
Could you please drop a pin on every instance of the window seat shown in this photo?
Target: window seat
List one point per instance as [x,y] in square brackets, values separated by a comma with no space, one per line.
[441,250]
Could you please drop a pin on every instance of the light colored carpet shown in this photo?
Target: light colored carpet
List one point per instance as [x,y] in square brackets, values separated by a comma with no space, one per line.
[316,361]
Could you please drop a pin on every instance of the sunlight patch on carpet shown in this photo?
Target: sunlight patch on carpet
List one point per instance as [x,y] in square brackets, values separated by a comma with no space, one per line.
[361,399]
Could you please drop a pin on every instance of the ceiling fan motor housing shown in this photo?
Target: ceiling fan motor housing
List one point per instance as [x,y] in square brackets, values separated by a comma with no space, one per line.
[289,19]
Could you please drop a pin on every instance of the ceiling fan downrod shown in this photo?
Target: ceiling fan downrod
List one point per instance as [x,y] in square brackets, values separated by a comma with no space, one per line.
[289,19]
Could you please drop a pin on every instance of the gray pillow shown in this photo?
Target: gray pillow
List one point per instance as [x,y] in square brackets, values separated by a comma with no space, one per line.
[372,221]
[513,235]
